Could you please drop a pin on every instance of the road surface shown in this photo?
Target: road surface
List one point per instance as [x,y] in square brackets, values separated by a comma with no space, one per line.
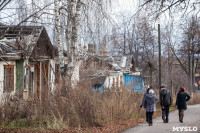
[191,123]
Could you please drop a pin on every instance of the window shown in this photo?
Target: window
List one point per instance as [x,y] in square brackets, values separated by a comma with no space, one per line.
[8,78]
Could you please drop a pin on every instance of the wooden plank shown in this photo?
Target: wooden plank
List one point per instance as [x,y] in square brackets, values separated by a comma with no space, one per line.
[38,79]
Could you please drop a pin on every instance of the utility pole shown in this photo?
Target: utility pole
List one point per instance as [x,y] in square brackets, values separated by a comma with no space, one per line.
[159,44]
[124,40]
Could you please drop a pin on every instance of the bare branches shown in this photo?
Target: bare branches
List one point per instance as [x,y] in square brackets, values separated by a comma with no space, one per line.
[172,6]
[4,3]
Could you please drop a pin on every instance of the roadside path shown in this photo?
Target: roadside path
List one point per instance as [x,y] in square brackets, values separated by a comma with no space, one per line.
[191,119]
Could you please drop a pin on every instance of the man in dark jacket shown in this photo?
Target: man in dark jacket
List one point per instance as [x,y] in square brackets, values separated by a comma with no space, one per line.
[165,103]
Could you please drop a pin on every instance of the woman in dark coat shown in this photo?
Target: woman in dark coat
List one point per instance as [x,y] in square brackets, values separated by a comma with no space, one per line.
[147,92]
[182,98]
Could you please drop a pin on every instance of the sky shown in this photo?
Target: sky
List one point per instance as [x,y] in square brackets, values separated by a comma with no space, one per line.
[119,10]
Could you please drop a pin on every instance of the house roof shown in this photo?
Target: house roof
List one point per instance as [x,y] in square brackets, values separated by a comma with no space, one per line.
[15,40]
[120,62]
[14,32]
[98,80]
[2,24]
[123,61]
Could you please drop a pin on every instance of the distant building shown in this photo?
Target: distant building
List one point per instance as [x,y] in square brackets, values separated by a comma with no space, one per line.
[104,72]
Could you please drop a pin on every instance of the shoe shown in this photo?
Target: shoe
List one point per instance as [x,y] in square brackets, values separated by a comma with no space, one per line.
[181,119]
[150,124]
[164,120]
[167,120]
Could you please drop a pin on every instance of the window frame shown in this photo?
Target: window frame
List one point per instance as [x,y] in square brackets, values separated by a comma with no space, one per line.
[8,87]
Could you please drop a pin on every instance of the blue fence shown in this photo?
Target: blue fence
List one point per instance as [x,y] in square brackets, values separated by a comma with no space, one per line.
[135,82]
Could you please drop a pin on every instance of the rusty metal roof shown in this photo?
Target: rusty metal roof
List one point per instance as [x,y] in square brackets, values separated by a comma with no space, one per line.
[15,40]
[13,32]
[98,80]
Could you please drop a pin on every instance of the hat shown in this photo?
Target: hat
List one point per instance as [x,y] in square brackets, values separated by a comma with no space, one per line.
[162,87]
[151,91]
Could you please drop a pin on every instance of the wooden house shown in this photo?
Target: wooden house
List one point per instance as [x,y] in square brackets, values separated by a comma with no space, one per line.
[26,62]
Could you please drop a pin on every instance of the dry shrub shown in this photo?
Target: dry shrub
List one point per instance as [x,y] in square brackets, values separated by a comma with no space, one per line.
[118,104]
[80,107]
[195,99]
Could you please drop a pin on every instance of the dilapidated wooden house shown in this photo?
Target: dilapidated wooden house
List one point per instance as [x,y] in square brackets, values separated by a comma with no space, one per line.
[26,62]
[111,71]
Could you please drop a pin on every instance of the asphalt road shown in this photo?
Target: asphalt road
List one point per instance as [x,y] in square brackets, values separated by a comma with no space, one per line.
[191,123]
[197,90]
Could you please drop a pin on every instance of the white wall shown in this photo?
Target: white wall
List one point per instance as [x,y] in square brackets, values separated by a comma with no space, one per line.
[109,80]
[2,63]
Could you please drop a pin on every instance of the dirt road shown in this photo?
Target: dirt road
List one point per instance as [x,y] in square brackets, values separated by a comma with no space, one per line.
[191,123]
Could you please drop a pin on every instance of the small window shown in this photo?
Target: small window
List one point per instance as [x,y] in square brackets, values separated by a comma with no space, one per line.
[8,78]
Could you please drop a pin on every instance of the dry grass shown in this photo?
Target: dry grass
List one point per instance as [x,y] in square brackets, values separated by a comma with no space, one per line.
[81,107]
[195,99]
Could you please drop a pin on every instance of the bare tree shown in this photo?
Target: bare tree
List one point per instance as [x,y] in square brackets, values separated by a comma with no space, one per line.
[184,7]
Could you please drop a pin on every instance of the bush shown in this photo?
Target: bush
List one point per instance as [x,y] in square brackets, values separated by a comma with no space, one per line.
[80,107]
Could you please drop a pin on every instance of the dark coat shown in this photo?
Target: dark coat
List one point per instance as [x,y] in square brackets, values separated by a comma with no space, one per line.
[181,100]
[149,102]
[165,98]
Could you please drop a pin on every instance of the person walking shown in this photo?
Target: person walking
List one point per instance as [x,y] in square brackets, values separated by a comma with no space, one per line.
[150,106]
[181,99]
[147,92]
[165,103]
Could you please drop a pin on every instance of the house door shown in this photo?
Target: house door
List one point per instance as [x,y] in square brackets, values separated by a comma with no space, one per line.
[38,80]
[44,76]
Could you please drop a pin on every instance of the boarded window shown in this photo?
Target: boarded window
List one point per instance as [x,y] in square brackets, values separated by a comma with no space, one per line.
[8,78]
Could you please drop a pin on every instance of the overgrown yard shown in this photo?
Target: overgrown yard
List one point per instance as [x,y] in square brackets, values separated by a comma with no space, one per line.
[81,110]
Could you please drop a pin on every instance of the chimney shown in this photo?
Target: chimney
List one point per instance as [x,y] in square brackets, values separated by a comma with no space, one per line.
[103,49]
[91,48]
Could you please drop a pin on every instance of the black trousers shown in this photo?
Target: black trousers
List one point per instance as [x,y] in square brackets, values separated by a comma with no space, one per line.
[149,117]
[165,112]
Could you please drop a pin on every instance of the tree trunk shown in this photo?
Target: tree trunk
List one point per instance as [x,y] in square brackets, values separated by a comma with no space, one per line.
[190,71]
[59,37]
[124,41]
[74,10]
[151,75]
